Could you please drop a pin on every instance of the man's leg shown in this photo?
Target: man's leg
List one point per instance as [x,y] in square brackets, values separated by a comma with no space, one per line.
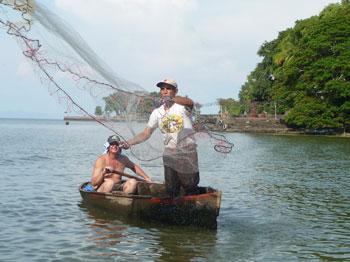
[189,178]
[107,186]
[129,186]
[172,182]
[189,182]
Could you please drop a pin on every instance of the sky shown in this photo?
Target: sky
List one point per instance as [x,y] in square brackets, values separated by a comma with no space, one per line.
[208,47]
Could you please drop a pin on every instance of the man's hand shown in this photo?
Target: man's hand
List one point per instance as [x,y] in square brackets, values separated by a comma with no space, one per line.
[107,172]
[124,145]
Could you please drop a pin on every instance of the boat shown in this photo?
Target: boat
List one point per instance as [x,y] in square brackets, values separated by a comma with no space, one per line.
[151,203]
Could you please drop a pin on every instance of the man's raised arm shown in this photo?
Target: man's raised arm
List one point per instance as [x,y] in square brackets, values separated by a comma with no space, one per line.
[138,139]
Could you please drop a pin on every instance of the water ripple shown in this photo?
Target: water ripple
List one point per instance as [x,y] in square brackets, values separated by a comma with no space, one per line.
[284,199]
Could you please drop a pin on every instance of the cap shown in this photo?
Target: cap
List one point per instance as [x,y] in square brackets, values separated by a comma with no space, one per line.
[168,81]
[113,138]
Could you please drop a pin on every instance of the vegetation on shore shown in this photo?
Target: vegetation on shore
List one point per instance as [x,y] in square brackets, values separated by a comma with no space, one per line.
[304,74]
[118,103]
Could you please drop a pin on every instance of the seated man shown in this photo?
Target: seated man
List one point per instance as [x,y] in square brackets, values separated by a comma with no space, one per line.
[104,181]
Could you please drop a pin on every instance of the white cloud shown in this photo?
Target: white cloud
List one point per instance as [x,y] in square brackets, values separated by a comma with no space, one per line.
[25,69]
[208,46]
[118,10]
[200,43]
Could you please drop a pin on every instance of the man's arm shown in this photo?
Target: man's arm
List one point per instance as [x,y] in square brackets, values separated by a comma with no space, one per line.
[137,170]
[98,174]
[138,139]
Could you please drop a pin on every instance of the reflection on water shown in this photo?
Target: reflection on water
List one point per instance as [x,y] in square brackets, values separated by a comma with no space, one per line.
[121,237]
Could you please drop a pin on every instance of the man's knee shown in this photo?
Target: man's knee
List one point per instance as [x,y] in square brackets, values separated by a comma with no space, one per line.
[132,182]
[130,186]
[107,186]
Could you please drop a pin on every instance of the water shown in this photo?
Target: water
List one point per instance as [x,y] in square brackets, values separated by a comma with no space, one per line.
[285,198]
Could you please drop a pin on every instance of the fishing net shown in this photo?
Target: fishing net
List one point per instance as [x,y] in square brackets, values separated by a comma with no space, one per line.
[86,86]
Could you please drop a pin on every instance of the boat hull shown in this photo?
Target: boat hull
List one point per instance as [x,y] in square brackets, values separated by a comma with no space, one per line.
[151,204]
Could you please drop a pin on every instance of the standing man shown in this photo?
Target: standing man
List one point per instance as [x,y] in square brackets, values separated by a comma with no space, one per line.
[104,180]
[174,119]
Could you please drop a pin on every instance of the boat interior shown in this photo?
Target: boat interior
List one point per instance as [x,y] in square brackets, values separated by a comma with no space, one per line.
[158,190]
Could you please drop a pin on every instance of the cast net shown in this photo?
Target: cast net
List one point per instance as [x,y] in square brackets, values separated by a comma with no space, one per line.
[87,87]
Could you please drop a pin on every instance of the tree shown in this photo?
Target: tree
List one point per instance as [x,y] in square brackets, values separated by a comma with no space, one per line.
[231,106]
[306,71]
[123,103]
[98,111]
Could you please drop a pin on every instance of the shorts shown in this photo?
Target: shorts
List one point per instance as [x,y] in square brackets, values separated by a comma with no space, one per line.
[119,187]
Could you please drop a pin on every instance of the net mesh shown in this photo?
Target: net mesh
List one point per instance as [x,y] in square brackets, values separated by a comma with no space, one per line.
[87,87]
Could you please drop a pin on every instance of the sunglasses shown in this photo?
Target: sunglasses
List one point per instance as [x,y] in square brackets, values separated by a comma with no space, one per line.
[168,88]
[114,144]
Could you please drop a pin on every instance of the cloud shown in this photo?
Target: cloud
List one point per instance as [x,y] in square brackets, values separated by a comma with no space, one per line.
[25,70]
[118,10]
[199,42]
[209,47]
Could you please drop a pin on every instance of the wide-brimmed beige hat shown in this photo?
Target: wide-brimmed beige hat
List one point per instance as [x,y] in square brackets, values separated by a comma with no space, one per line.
[167,81]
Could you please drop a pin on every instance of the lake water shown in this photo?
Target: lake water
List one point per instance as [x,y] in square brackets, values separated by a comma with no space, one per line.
[285,198]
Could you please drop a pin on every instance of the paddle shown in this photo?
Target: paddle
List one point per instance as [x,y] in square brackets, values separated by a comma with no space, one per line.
[123,174]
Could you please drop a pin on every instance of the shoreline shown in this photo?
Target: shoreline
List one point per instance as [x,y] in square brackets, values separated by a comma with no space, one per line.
[254,125]
[104,119]
[216,123]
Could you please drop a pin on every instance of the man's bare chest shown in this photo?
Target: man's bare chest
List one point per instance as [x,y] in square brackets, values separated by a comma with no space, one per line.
[116,164]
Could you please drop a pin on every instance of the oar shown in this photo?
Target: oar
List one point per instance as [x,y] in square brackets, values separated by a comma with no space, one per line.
[126,175]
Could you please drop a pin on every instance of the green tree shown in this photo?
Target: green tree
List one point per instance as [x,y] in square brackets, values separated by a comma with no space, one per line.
[98,111]
[231,106]
[123,103]
[305,71]
[146,104]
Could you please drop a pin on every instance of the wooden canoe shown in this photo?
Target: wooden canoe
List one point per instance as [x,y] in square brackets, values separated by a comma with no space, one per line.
[151,203]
